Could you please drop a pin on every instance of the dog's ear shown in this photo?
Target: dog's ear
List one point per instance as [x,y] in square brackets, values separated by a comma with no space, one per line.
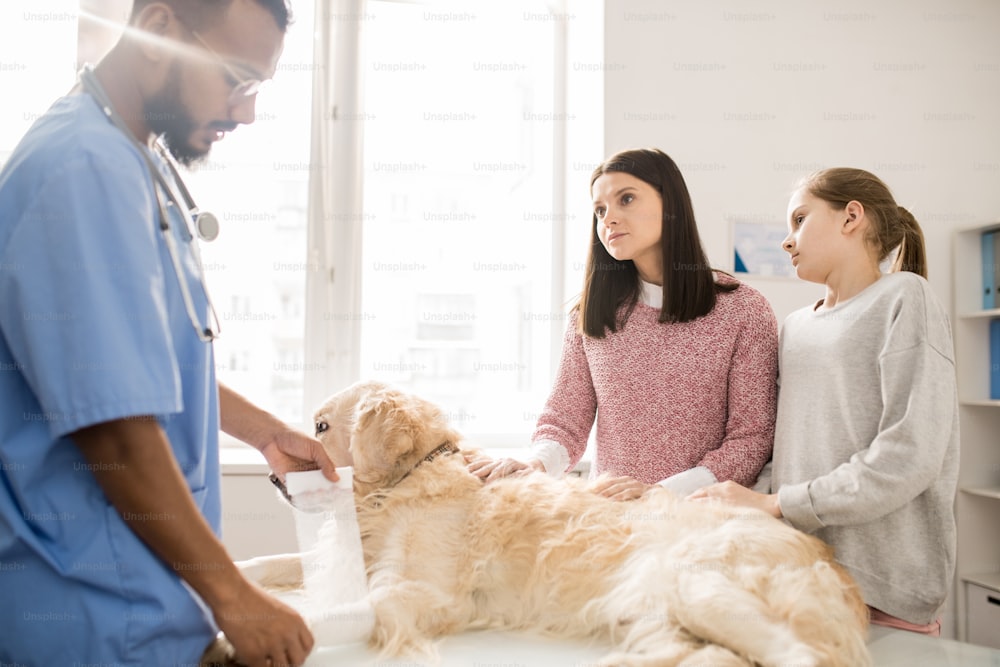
[385,431]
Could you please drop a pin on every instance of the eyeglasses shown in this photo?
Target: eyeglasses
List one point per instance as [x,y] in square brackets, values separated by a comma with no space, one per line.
[244,87]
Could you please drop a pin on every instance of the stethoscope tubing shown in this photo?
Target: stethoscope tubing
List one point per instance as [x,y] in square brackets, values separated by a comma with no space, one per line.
[93,87]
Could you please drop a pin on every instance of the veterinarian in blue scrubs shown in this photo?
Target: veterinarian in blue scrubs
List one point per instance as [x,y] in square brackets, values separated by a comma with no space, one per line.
[110,483]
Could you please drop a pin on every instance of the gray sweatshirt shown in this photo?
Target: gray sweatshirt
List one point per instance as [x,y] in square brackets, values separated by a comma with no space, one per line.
[866,442]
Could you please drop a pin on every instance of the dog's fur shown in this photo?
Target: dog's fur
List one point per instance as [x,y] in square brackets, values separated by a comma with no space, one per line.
[668,582]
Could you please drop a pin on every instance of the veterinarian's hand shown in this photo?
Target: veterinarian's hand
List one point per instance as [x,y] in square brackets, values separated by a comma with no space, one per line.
[285,448]
[264,631]
[489,470]
[620,488]
[731,493]
[291,450]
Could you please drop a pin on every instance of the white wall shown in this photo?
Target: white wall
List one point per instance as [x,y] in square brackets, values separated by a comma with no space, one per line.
[749,95]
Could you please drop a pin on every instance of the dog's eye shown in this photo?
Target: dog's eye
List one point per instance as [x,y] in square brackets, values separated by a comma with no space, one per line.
[321,427]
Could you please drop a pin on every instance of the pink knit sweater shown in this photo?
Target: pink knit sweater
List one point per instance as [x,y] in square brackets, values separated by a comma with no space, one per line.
[670,397]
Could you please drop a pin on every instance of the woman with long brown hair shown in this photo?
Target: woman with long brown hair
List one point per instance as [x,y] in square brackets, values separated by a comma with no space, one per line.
[676,361]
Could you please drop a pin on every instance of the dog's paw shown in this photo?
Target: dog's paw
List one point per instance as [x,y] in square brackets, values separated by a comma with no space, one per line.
[716,656]
[622,659]
[677,655]
[421,651]
[252,569]
[795,654]
[280,571]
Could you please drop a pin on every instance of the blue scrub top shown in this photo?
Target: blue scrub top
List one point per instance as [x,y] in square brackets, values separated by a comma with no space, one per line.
[93,328]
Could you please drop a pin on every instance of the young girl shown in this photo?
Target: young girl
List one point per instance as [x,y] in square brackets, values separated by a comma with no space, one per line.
[678,362]
[866,442]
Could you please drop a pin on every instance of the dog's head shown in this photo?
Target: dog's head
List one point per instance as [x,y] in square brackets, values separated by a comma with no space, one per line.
[382,432]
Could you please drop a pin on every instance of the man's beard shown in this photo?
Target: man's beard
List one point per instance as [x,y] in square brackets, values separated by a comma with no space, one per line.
[166,116]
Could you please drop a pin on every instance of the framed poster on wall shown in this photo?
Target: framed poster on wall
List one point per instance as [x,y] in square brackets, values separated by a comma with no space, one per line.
[757,250]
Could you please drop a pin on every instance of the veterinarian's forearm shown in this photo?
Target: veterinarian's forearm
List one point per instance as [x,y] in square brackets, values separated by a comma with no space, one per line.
[133,463]
[245,421]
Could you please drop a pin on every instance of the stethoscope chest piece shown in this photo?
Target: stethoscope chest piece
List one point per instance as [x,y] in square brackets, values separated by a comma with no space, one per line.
[207,226]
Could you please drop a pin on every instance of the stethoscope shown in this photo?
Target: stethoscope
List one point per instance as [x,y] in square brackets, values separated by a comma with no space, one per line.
[206,224]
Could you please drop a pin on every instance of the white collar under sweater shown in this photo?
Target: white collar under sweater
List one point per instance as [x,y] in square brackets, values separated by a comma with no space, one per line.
[652,295]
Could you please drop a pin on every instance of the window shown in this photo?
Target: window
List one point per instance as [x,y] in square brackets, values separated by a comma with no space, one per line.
[459,201]
[462,217]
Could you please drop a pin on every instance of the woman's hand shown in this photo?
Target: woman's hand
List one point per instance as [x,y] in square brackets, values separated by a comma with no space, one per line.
[620,488]
[732,493]
[490,470]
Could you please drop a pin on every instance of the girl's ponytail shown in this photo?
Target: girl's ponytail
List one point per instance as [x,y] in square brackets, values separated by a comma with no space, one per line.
[912,255]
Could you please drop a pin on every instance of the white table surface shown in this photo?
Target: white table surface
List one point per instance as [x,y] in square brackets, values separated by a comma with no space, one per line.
[889,648]
[898,648]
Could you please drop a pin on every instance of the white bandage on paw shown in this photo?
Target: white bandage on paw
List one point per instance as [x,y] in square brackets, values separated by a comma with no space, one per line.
[336,603]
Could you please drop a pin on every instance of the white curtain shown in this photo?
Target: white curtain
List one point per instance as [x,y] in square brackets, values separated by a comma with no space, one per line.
[333,280]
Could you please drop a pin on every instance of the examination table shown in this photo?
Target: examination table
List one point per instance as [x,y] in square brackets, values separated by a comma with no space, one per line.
[889,648]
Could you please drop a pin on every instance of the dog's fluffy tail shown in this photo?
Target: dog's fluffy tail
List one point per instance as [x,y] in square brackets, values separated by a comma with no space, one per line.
[810,614]
[792,587]
[806,615]
[825,610]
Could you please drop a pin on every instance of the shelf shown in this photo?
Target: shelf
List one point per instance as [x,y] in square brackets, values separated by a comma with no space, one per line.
[979,229]
[983,492]
[977,557]
[989,580]
[980,314]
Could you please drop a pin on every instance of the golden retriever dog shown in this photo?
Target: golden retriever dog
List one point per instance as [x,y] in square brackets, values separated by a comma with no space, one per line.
[665,581]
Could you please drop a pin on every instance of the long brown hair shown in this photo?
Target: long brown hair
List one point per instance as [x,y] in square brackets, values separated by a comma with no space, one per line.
[892,226]
[689,286]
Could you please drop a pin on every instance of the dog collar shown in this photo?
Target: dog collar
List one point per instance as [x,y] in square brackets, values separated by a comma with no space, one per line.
[443,448]
[440,450]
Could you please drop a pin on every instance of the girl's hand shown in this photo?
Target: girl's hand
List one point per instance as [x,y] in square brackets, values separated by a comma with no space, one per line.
[732,493]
